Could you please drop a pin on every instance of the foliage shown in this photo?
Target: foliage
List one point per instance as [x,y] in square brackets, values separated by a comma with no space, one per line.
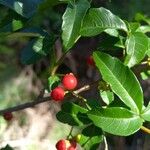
[7,148]
[81,20]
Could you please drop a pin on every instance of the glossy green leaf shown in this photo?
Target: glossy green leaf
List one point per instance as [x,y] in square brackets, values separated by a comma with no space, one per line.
[109,43]
[107,96]
[148,52]
[117,103]
[11,22]
[112,32]
[83,118]
[146,113]
[90,143]
[69,114]
[121,42]
[99,19]
[92,130]
[53,81]
[72,20]
[29,55]
[140,18]
[116,120]
[136,48]
[121,80]
[144,29]
[93,102]
[134,26]
[91,137]
[25,8]
[13,25]
[36,49]
[27,32]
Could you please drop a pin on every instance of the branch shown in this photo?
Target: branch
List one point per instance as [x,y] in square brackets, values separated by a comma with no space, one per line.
[86,87]
[145,129]
[25,105]
[106,144]
[40,99]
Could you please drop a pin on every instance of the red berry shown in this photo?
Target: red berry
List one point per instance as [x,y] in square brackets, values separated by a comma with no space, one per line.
[73,145]
[90,61]
[58,94]
[8,116]
[71,148]
[69,81]
[61,145]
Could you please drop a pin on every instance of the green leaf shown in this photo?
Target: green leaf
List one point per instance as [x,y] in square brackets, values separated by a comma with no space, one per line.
[107,96]
[144,29]
[117,103]
[92,130]
[140,17]
[13,25]
[112,32]
[136,48]
[7,148]
[148,52]
[90,143]
[11,22]
[111,44]
[83,118]
[46,4]
[36,49]
[53,81]
[134,26]
[69,114]
[25,8]
[99,19]
[121,80]
[91,137]
[146,113]
[72,20]
[27,32]
[93,102]
[116,120]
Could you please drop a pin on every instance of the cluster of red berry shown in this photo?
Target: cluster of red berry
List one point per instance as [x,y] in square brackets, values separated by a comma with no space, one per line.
[69,82]
[66,145]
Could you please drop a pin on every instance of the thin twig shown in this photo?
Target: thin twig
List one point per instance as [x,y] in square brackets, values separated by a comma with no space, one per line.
[105,142]
[40,99]
[58,64]
[25,105]
[144,63]
[82,99]
[145,129]
[70,133]
[86,87]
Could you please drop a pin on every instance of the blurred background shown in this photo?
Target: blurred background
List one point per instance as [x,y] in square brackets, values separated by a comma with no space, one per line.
[37,128]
